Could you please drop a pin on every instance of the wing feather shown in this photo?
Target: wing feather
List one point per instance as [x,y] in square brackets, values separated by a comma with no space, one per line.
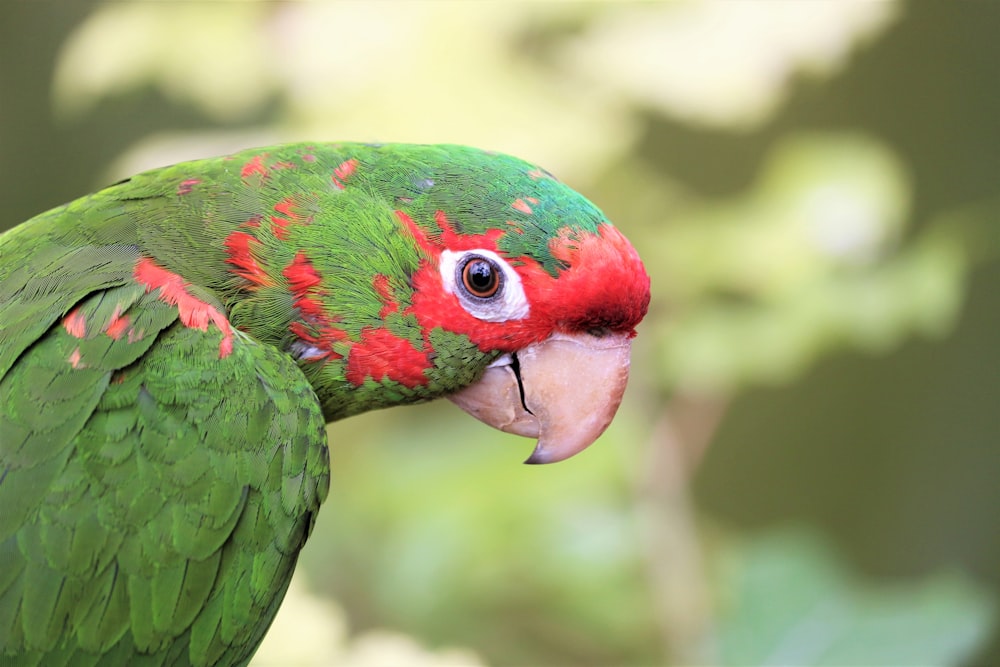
[155,495]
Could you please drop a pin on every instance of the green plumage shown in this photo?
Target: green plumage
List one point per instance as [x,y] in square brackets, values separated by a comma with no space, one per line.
[155,502]
[171,348]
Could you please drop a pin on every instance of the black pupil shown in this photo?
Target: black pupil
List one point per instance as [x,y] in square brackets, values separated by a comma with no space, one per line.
[481,277]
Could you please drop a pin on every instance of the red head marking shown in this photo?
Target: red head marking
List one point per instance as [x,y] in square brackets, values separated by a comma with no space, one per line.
[389,304]
[418,234]
[432,244]
[321,336]
[606,284]
[380,354]
[452,240]
[603,285]
[317,327]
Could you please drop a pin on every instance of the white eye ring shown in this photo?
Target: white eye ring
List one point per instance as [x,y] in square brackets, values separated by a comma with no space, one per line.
[508,303]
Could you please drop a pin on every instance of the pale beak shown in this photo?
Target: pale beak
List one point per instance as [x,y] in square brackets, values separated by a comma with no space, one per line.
[564,391]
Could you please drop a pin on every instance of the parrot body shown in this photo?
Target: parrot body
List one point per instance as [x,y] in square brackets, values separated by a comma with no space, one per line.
[173,346]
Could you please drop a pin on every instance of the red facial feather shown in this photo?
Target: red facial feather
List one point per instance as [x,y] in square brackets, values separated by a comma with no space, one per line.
[418,234]
[322,339]
[434,308]
[380,354]
[389,304]
[454,241]
[448,238]
[604,286]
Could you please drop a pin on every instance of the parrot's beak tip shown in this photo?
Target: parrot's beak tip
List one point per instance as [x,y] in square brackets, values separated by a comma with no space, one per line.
[537,458]
[564,391]
[544,455]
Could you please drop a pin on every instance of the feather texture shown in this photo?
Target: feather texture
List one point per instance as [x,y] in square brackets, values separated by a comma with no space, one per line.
[173,345]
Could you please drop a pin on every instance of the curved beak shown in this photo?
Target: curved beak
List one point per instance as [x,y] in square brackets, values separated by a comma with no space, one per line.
[564,391]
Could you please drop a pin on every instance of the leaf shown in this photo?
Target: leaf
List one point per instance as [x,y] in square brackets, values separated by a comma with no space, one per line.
[793,603]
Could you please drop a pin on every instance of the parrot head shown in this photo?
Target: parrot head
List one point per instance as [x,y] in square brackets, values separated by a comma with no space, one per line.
[417,272]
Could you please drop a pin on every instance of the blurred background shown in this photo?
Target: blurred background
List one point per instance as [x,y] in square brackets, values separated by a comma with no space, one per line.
[806,466]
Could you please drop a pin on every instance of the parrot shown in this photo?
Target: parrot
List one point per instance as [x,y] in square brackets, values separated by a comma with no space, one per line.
[173,346]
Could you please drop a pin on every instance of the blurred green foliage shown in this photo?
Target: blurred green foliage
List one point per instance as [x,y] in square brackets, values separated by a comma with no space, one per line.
[822,616]
[805,467]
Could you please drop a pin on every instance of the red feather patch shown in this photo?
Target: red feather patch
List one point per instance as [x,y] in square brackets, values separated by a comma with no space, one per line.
[118,324]
[242,248]
[302,282]
[321,340]
[254,165]
[389,304]
[433,244]
[194,313]
[279,225]
[606,285]
[454,241]
[75,323]
[343,172]
[524,206]
[380,354]
[603,285]
[187,186]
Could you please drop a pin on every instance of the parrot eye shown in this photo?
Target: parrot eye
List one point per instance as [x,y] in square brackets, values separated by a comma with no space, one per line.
[480,277]
[487,286]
